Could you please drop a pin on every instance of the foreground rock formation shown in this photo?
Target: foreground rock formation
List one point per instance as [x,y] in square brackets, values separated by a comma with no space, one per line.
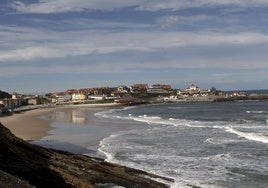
[26,165]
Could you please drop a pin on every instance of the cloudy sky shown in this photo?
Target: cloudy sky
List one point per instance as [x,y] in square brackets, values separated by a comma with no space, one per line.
[54,45]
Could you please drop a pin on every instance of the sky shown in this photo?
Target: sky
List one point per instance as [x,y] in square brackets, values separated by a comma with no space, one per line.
[54,45]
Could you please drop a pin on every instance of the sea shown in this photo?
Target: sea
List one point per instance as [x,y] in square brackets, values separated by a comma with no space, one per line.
[198,144]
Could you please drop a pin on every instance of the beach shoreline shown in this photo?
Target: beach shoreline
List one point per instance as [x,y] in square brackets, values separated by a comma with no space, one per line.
[29,125]
[35,166]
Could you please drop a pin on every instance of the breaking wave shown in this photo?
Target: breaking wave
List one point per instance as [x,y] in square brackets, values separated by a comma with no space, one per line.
[197,145]
[248,135]
[257,112]
[227,126]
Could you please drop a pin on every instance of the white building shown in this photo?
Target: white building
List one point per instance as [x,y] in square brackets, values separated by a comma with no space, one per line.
[96,97]
[61,98]
[123,89]
[78,97]
[192,87]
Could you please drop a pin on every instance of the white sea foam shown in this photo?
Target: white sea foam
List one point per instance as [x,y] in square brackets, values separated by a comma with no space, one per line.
[222,157]
[121,149]
[244,121]
[250,136]
[175,108]
[110,157]
[178,184]
[220,140]
[227,126]
[167,151]
[129,107]
[156,120]
[103,147]
[153,120]
[257,112]
[111,113]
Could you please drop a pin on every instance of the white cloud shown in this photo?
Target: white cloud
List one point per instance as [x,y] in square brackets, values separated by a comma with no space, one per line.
[29,44]
[155,5]
[27,54]
[78,43]
[167,21]
[54,6]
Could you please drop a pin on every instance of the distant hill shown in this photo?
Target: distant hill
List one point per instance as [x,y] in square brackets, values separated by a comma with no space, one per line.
[4,95]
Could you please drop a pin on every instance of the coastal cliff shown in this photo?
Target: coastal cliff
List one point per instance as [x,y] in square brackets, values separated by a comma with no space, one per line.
[26,165]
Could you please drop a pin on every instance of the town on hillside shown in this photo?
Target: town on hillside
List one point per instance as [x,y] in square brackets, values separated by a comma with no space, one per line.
[135,94]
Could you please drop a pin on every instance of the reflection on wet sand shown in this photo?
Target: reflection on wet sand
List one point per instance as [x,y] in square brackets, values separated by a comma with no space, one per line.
[77,117]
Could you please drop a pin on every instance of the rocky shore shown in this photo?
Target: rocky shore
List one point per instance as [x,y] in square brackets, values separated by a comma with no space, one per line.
[26,165]
[245,98]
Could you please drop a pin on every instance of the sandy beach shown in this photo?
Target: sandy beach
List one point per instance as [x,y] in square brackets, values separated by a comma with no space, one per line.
[29,126]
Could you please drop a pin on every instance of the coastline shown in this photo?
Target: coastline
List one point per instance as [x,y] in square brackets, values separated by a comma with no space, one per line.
[29,126]
[35,166]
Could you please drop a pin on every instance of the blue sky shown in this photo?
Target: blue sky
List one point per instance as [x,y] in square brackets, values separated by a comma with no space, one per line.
[54,45]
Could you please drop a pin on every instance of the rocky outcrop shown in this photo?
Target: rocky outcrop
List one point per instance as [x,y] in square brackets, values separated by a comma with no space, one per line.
[258,96]
[43,167]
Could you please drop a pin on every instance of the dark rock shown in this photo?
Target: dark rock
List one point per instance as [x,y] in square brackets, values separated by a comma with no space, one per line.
[7,181]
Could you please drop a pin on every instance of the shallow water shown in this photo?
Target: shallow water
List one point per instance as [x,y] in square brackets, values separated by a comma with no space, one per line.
[79,131]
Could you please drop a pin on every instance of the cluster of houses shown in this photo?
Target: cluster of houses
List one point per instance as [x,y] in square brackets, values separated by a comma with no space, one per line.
[194,93]
[109,93]
[8,104]
[18,100]
[124,93]
[119,94]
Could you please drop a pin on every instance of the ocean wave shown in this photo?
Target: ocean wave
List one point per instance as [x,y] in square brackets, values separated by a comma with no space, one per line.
[228,126]
[156,120]
[161,160]
[175,108]
[257,112]
[112,112]
[250,136]
[134,148]
[218,157]
[244,121]
[220,140]
[111,147]
[151,120]
[104,147]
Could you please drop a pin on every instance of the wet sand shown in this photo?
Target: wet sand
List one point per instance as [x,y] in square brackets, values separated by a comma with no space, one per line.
[29,126]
